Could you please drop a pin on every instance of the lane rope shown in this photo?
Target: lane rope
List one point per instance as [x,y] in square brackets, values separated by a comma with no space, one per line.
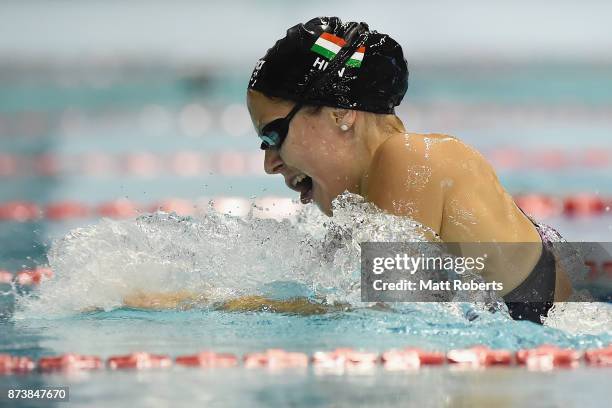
[537,205]
[542,358]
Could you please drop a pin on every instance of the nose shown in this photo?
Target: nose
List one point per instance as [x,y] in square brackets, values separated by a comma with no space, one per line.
[273,162]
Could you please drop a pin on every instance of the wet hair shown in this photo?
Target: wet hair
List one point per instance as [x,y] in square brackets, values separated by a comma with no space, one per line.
[374,77]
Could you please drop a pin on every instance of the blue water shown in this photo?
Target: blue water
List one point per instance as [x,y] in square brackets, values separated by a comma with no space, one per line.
[84,117]
[97,261]
[176,333]
[183,332]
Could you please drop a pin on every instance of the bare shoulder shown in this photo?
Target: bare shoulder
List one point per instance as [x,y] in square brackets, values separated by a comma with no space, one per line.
[405,177]
[437,156]
[415,174]
[433,149]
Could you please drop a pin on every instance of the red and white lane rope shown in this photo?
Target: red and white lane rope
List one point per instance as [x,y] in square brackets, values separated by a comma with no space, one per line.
[26,277]
[250,163]
[544,357]
[265,207]
[538,205]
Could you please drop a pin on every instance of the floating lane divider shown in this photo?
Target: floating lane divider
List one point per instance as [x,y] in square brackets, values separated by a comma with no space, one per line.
[25,211]
[26,277]
[250,163]
[208,359]
[538,205]
[542,358]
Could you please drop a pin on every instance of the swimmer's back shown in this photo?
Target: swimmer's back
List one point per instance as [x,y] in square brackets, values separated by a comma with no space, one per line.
[441,175]
[447,185]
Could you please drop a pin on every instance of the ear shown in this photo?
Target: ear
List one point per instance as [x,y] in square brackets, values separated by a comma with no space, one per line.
[344,117]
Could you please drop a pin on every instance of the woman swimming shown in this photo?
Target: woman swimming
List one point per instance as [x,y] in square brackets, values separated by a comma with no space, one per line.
[323,101]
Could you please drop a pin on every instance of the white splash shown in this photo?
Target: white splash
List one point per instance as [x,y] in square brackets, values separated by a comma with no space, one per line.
[216,255]
[580,317]
[223,257]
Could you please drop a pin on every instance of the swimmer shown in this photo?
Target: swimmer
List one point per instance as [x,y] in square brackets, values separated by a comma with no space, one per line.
[322,101]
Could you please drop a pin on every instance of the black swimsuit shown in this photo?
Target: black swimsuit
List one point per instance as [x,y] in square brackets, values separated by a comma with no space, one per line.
[535,295]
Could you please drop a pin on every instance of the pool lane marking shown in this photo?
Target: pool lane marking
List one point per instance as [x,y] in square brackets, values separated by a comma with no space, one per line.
[542,358]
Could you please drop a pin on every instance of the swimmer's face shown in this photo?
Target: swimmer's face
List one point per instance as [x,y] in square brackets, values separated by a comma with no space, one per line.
[317,159]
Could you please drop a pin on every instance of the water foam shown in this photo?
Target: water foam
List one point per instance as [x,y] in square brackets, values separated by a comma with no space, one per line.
[218,255]
[223,257]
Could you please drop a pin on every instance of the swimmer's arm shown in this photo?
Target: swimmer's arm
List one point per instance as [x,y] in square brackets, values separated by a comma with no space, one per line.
[157,301]
[187,300]
[300,306]
[164,300]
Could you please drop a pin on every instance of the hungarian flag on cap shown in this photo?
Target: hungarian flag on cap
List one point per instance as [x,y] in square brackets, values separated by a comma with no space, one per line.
[328,46]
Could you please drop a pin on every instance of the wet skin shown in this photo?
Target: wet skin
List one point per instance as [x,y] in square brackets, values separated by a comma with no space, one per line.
[435,179]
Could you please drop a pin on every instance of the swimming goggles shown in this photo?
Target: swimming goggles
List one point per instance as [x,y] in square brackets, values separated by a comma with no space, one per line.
[274,133]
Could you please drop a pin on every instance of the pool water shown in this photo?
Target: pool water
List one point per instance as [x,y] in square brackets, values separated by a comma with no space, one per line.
[97,262]
[235,387]
[224,257]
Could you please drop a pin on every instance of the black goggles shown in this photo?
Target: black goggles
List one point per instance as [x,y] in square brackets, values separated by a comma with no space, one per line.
[274,133]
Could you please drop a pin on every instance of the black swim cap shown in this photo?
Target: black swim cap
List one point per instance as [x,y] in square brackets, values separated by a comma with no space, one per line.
[374,77]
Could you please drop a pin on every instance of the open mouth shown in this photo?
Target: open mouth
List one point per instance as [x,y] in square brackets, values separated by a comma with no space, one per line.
[302,184]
